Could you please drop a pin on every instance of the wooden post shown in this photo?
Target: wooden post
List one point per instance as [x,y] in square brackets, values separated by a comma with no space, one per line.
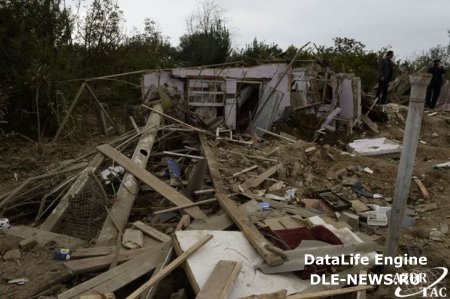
[69,111]
[419,83]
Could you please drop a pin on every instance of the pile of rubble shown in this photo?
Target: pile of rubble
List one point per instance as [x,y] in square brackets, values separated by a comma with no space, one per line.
[238,212]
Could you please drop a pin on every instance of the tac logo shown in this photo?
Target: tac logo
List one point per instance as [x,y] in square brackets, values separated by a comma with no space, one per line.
[429,285]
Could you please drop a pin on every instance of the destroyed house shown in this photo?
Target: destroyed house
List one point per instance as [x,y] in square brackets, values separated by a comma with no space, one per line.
[255,97]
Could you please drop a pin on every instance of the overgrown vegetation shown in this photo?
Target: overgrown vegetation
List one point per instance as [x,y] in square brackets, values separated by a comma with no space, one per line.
[45,42]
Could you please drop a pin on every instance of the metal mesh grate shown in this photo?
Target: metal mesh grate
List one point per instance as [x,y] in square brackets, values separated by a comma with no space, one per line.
[86,213]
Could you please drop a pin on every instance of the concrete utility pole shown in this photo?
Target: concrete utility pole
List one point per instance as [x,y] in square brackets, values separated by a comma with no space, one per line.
[130,185]
[419,83]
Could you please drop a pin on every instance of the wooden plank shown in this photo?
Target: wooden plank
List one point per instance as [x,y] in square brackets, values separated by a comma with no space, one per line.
[245,225]
[185,206]
[328,293]
[176,120]
[369,123]
[152,232]
[359,206]
[97,263]
[245,170]
[149,179]
[186,267]
[44,237]
[150,292]
[167,270]
[421,187]
[276,135]
[92,252]
[183,155]
[119,276]
[221,280]
[255,182]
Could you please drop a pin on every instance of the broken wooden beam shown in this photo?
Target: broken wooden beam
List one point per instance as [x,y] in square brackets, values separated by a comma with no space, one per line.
[421,187]
[150,292]
[98,263]
[245,170]
[256,181]
[369,123]
[170,267]
[31,234]
[183,155]
[276,135]
[175,120]
[221,281]
[80,253]
[119,276]
[205,191]
[152,232]
[129,187]
[229,206]
[147,178]
[185,206]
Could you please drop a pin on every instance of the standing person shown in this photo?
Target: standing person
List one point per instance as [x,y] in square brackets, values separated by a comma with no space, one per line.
[384,76]
[434,88]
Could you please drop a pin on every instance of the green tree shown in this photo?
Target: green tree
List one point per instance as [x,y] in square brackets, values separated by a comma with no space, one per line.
[208,40]
[258,51]
[425,59]
[100,34]
[148,49]
[34,36]
[350,56]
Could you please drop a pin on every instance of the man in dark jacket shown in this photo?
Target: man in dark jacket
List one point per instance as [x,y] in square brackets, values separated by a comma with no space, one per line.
[384,76]
[434,88]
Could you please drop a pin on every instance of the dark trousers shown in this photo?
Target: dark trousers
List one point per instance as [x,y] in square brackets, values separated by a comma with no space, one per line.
[433,92]
[382,91]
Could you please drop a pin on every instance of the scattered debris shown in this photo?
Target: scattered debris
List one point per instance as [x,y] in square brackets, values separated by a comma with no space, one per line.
[441,165]
[259,200]
[18,281]
[13,254]
[426,207]
[4,224]
[61,254]
[368,170]
[374,147]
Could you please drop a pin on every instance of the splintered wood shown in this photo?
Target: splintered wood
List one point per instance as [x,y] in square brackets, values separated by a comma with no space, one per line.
[151,180]
[242,221]
[221,280]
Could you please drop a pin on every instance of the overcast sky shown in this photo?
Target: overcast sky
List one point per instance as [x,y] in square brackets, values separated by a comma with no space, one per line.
[409,26]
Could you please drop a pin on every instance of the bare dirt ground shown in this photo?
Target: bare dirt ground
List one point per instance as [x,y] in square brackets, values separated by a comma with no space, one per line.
[323,168]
